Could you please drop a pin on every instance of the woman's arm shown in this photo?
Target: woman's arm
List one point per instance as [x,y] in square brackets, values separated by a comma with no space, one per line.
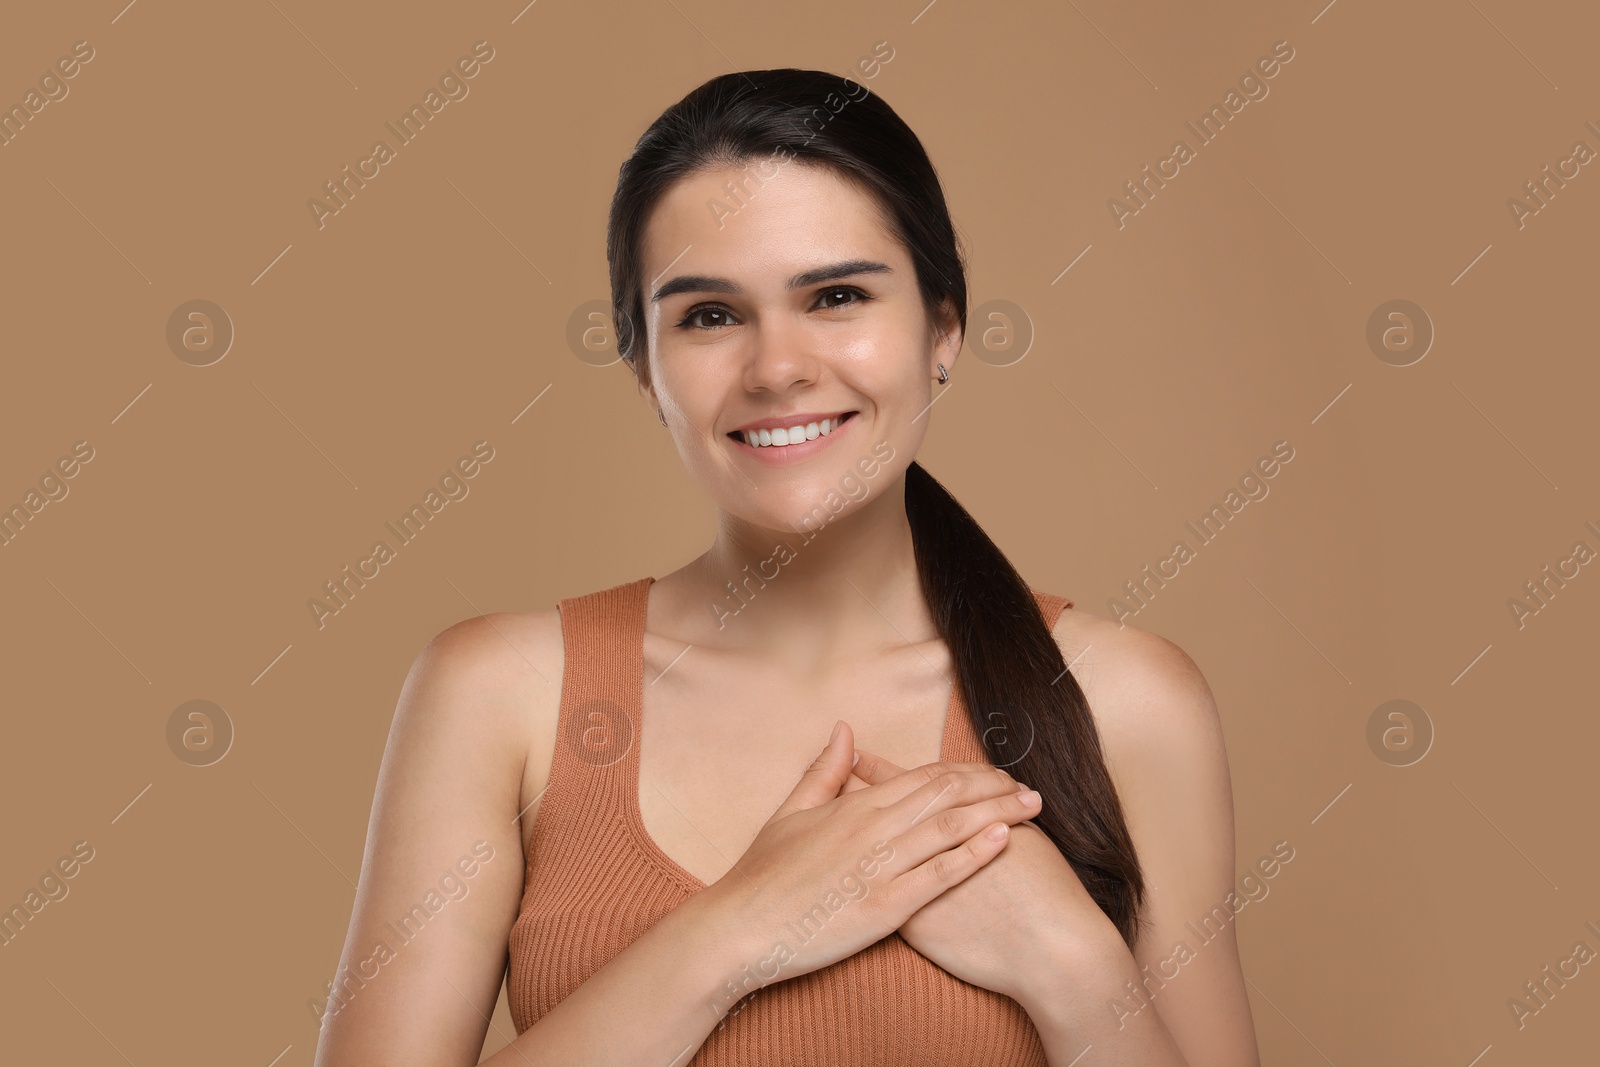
[1163,744]
[651,1004]
[442,883]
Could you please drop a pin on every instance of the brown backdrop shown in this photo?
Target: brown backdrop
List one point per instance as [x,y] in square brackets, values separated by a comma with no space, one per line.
[1442,458]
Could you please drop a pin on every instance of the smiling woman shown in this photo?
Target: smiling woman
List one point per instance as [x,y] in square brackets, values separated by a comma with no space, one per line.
[782,347]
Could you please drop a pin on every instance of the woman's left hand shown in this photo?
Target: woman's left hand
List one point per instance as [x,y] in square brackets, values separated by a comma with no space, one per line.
[1011,923]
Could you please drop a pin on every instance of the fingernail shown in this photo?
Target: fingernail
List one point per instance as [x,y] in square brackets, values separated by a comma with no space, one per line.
[997,833]
[837,726]
[856,760]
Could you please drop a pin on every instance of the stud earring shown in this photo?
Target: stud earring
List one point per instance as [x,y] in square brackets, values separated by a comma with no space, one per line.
[944,375]
[660,416]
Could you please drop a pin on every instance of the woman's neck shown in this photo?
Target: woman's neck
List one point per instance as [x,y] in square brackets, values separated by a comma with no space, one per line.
[848,590]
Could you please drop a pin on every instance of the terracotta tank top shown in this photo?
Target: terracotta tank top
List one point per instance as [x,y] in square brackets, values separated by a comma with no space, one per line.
[595,881]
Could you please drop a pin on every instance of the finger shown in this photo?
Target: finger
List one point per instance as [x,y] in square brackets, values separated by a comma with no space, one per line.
[876,770]
[945,869]
[925,791]
[821,781]
[943,829]
[873,768]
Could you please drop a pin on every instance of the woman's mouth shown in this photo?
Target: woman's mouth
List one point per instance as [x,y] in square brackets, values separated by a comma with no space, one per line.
[793,443]
[793,435]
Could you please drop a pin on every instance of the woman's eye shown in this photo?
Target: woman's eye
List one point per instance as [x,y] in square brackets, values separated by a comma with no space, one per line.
[689,320]
[693,320]
[843,290]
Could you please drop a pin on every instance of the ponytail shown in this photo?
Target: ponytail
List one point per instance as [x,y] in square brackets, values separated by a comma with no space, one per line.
[1026,707]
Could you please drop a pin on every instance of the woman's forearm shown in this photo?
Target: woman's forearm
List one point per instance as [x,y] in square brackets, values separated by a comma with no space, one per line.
[1073,1008]
[655,1002]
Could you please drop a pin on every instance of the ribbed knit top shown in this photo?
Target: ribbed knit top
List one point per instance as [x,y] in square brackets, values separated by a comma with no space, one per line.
[595,881]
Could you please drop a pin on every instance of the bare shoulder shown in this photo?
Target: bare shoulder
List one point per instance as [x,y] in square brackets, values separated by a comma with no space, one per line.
[500,649]
[506,667]
[1143,689]
[444,814]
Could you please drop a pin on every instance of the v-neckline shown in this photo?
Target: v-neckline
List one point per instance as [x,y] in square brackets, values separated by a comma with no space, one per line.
[635,760]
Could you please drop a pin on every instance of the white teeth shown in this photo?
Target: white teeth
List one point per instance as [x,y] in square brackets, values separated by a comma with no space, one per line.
[794,434]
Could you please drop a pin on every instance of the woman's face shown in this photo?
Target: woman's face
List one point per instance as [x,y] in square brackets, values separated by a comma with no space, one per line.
[791,302]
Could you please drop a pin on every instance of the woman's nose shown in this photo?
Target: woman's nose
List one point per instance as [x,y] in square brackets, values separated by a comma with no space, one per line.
[781,355]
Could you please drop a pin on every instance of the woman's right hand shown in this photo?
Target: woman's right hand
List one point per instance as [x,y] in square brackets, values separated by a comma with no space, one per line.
[831,873]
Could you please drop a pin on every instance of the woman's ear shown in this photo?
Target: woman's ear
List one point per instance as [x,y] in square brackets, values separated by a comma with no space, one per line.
[947,338]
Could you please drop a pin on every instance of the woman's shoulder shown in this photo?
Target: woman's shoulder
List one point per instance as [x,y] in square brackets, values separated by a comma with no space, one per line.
[1138,683]
[498,671]
[498,677]
[518,656]
[500,645]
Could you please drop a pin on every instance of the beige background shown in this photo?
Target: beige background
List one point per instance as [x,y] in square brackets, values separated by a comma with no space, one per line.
[1229,314]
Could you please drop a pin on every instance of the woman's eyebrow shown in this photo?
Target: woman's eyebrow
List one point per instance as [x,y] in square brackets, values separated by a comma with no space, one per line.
[705,283]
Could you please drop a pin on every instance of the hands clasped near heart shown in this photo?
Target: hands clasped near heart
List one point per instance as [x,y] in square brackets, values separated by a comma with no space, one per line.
[988,911]
[987,928]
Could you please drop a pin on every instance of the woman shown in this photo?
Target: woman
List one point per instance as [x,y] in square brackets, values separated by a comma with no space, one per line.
[782,257]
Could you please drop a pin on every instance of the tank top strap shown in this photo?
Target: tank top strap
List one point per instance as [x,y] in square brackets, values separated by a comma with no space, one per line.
[598,722]
[960,742]
[1051,605]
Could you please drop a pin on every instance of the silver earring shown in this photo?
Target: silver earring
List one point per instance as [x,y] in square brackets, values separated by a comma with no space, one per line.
[944,375]
[660,416]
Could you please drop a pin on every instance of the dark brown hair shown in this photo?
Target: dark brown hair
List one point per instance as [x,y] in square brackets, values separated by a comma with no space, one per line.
[1026,706]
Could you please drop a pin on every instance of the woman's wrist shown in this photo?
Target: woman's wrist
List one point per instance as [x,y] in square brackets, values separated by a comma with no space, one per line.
[1081,999]
[729,964]
[1070,978]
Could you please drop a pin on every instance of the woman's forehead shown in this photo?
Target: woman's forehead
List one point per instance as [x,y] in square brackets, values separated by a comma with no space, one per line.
[732,221]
